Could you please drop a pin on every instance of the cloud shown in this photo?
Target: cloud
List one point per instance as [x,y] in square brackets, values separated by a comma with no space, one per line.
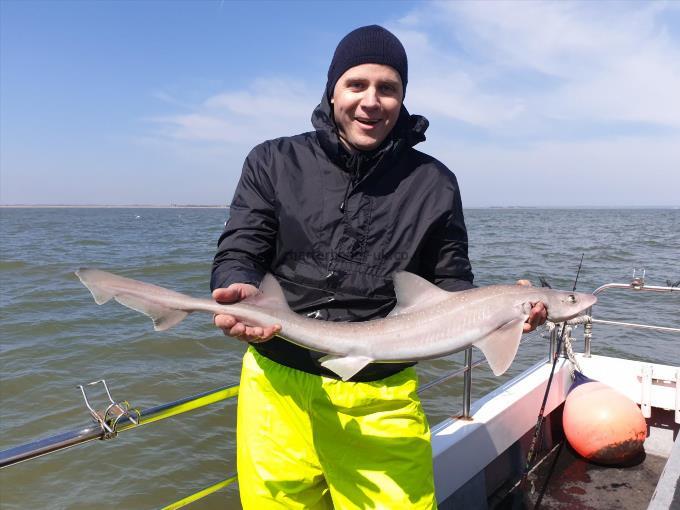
[630,171]
[504,65]
[565,103]
[268,108]
[512,69]
[555,103]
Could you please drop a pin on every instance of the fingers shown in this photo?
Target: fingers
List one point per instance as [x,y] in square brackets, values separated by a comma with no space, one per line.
[253,334]
[235,292]
[224,322]
[230,326]
[226,295]
[537,316]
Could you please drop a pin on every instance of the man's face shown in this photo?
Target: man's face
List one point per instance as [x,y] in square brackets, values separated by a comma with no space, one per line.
[366,104]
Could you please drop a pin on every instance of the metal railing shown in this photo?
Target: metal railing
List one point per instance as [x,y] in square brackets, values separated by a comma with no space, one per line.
[636,285]
[103,429]
[95,430]
[106,427]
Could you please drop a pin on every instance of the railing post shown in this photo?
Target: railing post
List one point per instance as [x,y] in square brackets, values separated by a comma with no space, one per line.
[553,344]
[467,383]
[587,334]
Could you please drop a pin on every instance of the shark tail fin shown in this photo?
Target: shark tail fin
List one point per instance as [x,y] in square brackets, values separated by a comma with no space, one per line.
[103,286]
[100,293]
[500,347]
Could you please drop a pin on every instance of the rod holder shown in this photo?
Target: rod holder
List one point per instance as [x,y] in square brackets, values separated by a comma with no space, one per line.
[109,417]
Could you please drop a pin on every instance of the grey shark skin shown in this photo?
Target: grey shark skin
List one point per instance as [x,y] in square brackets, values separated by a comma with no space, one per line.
[426,323]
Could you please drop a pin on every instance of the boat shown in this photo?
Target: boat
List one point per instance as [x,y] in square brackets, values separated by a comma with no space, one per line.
[497,434]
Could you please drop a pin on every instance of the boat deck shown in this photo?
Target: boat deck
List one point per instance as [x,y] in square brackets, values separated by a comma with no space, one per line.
[565,481]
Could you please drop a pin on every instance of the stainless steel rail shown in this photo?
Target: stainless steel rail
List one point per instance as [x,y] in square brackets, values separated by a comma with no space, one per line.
[93,431]
[636,285]
[664,329]
[75,437]
[451,375]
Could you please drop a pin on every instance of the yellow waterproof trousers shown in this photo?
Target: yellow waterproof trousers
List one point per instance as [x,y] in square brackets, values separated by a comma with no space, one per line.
[312,442]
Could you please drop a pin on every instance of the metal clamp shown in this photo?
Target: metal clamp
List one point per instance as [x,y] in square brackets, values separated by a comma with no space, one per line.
[638,281]
[109,418]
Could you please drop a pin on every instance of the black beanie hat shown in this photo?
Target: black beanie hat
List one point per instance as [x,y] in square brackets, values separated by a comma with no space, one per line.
[367,45]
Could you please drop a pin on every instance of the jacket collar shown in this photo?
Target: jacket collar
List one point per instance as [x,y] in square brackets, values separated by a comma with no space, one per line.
[409,131]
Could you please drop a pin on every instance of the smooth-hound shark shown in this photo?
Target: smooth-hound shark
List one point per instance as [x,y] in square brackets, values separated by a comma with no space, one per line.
[426,323]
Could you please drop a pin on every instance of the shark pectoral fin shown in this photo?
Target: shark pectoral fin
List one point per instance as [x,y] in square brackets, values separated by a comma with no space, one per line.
[500,347]
[163,317]
[344,366]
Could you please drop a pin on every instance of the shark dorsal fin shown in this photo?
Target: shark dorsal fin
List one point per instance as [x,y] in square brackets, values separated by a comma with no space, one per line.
[270,296]
[415,293]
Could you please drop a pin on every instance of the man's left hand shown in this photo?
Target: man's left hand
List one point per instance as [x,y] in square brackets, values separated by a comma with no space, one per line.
[538,314]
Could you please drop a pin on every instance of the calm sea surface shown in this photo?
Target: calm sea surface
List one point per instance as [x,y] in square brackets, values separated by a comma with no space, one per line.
[53,336]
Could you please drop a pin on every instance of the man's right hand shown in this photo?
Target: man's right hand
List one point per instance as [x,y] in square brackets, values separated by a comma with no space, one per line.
[230,326]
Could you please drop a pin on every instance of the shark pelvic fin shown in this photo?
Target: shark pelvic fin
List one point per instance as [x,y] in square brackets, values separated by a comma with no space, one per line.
[500,347]
[344,366]
[415,293]
[163,317]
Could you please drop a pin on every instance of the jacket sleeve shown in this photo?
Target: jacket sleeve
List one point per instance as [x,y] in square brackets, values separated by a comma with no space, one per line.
[444,257]
[246,247]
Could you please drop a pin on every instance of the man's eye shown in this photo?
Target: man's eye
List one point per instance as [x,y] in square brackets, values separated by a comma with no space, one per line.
[388,89]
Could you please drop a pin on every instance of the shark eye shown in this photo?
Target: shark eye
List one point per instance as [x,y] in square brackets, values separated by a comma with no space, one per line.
[571,298]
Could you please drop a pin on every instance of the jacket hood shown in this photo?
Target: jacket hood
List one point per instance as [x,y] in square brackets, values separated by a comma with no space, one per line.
[409,131]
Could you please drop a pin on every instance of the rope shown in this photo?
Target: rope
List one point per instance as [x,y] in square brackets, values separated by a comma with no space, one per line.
[569,350]
[581,319]
[539,420]
[568,347]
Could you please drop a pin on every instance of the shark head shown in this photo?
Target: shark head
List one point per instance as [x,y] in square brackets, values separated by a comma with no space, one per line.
[564,305]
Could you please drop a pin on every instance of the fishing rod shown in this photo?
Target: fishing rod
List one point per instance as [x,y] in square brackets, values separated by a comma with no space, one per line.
[541,413]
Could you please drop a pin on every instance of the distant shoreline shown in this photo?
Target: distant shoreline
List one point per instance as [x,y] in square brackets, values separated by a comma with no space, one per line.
[95,206]
[226,206]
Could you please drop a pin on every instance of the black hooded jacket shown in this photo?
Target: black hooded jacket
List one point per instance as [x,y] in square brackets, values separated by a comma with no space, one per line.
[333,227]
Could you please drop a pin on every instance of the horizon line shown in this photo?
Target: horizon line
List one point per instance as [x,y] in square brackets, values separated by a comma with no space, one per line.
[227,206]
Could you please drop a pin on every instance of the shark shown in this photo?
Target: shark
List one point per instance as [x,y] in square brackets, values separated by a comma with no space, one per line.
[426,323]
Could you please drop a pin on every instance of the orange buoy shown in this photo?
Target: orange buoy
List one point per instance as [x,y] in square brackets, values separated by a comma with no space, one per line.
[601,424]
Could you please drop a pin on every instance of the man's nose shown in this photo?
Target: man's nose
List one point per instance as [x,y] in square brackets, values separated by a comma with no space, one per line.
[370,98]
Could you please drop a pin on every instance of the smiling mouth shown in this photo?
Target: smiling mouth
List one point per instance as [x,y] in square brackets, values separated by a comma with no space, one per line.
[368,122]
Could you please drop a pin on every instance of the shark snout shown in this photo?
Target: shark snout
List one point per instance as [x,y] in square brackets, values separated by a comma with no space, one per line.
[570,305]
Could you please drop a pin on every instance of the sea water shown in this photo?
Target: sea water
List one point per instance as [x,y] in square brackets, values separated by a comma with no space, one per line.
[53,336]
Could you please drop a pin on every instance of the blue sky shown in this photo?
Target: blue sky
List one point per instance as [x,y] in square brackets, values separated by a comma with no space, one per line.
[530,103]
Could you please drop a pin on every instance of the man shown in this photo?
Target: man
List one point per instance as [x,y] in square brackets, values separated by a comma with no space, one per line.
[333,213]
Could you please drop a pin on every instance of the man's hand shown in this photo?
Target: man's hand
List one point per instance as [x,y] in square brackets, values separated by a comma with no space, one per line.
[538,314]
[230,326]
